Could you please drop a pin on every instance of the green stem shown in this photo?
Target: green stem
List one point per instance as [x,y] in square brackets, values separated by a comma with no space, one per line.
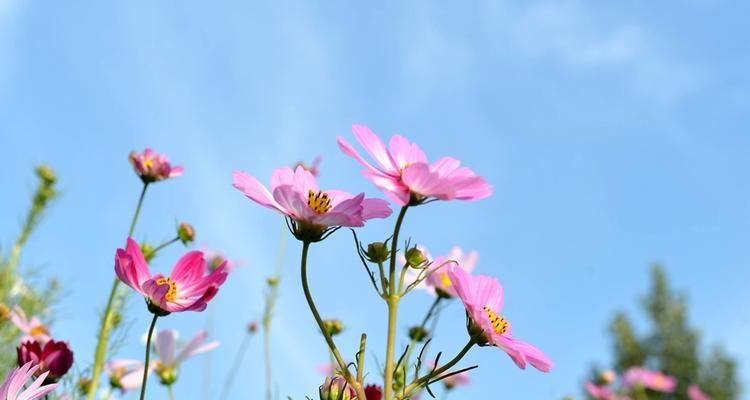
[392,300]
[165,244]
[235,366]
[148,356]
[171,392]
[329,340]
[436,373]
[107,320]
[422,326]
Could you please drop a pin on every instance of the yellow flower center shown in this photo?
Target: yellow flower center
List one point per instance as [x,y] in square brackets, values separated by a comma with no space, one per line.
[499,324]
[38,330]
[319,202]
[172,292]
[148,162]
[445,280]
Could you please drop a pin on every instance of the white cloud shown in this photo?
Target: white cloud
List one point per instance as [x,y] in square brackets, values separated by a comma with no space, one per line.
[569,33]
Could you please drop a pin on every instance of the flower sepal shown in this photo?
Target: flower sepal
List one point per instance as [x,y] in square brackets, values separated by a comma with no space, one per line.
[156,310]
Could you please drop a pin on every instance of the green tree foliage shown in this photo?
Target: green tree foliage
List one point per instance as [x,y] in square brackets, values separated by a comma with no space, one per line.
[671,345]
[18,286]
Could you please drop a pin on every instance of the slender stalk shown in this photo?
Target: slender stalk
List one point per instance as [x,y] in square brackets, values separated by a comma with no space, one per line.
[437,372]
[361,358]
[422,326]
[272,296]
[107,320]
[235,366]
[207,360]
[148,356]
[171,392]
[329,340]
[165,244]
[392,301]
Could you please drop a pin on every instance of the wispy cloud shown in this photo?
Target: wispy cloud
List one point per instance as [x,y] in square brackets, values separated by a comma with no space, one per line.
[571,34]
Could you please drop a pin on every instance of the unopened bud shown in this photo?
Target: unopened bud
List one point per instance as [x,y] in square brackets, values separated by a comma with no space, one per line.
[46,174]
[186,233]
[415,258]
[148,251]
[252,327]
[336,388]
[418,333]
[272,281]
[608,377]
[83,385]
[377,252]
[333,326]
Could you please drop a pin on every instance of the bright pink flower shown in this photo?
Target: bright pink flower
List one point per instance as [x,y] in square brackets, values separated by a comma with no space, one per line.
[153,167]
[695,393]
[54,357]
[482,297]
[12,388]
[405,175]
[187,288]
[296,195]
[125,374]
[373,392]
[654,380]
[170,358]
[33,329]
[438,281]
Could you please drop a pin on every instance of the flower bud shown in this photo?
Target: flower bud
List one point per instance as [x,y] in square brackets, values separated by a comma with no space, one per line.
[418,334]
[337,388]
[333,326]
[167,375]
[148,251]
[608,377]
[272,281]
[252,327]
[83,386]
[377,252]
[186,233]
[415,258]
[373,392]
[46,174]
[54,357]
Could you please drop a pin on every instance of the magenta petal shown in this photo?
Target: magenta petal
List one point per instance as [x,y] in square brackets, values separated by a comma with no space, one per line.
[189,268]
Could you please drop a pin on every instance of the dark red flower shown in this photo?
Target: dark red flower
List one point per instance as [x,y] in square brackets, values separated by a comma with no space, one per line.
[373,392]
[54,357]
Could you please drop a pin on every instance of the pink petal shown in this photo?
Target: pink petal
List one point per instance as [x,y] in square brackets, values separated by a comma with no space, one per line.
[189,268]
[375,147]
[375,208]
[255,191]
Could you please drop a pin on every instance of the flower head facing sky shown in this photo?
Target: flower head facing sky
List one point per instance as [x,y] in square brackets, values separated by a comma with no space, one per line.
[404,174]
[33,329]
[654,380]
[170,357]
[52,357]
[187,288]
[13,387]
[482,297]
[153,167]
[313,211]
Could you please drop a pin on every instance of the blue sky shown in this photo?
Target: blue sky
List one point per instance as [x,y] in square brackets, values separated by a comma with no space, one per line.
[615,134]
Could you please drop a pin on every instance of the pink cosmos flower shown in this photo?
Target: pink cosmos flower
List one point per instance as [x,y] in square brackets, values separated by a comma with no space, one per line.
[33,329]
[437,282]
[153,167]
[602,392]
[12,388]
[187,288]
[125,374]
[654,380]
[482,297]
[170,359]
[695,393]
[405,175]
[312,211]
[216,258]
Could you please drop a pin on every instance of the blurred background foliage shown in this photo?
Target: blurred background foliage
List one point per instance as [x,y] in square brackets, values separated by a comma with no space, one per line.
[19,285]
[672,346]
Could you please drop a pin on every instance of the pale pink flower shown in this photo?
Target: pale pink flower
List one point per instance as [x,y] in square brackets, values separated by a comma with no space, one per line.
[33,329]
[437,282]
[153,167]
[187,288]
[170,358]
[602,392]
[405,175]
[482,297]
[216,258]
[694,392]
[313,168]
[312,211]
[654,380]
[125,374]
[13,387]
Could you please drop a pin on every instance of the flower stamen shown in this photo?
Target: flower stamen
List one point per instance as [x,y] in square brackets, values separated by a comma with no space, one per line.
[499,324]
[172,292]
[318,202]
